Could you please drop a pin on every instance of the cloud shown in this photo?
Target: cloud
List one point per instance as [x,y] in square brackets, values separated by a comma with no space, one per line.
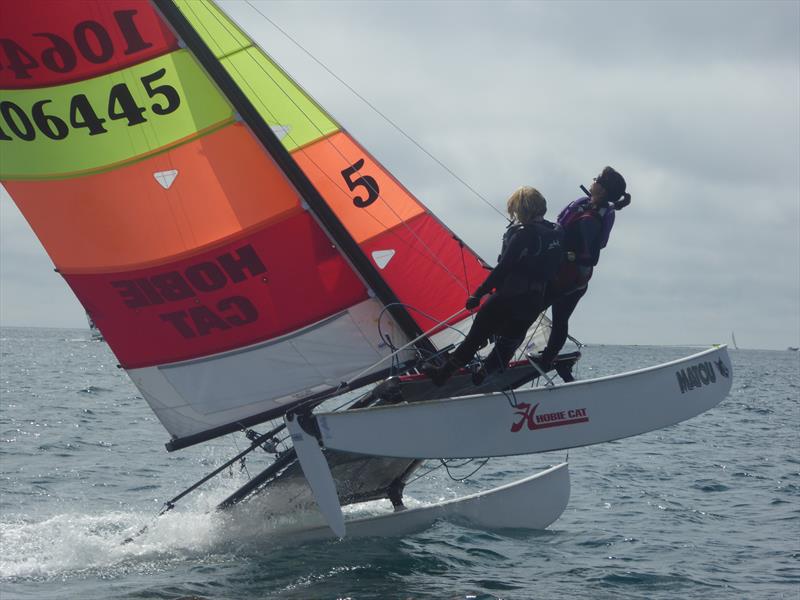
[694,102]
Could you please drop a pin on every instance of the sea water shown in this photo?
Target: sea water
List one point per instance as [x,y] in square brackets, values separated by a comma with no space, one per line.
[709,508]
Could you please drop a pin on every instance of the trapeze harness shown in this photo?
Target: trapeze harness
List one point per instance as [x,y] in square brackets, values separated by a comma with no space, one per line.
[530,257]
[578,219]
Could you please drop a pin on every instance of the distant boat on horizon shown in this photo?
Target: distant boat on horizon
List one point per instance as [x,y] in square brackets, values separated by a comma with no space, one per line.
[733,341]
[793,348]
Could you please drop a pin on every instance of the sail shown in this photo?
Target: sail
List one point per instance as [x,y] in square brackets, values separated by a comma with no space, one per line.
[425,264]
[236,247]
[218,290]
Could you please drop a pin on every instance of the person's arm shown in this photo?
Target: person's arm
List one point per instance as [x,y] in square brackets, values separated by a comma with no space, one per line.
[504,266]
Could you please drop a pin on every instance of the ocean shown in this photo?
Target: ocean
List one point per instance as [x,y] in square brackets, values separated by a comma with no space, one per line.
[709,508]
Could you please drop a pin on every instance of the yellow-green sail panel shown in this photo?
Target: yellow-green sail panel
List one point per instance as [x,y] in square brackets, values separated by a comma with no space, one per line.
[109,120]
[296,119]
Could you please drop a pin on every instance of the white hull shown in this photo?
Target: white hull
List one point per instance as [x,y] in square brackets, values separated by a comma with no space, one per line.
[544,419]
[531,503]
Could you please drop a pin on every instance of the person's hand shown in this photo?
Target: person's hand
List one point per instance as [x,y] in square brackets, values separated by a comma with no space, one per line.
[472,302]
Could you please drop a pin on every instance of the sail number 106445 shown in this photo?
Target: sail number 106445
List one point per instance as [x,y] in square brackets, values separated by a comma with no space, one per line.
[121,105]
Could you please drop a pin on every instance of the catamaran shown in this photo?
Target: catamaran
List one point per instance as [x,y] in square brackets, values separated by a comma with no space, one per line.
[249,263]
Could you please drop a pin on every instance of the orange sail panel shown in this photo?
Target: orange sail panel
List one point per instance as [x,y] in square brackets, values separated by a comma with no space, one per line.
[428,268]
[158,209]
[361,193]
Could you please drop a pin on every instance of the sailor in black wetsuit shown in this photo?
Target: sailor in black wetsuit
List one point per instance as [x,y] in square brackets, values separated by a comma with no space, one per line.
[530,257]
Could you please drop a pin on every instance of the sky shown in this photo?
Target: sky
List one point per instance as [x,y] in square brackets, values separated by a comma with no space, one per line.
[697,104]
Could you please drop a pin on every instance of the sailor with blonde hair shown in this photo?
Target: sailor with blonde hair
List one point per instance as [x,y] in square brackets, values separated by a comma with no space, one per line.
[530,257]
[526,205]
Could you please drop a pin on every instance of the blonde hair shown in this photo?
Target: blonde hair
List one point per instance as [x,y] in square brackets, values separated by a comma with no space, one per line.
[526,204]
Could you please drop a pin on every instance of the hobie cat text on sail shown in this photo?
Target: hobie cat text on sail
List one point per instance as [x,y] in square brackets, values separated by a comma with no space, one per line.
[208,276]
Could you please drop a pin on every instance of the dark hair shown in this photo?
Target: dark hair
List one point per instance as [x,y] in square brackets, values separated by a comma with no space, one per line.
[614,185]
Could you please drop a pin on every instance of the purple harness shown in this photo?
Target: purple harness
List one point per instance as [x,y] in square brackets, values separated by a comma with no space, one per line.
[581,208]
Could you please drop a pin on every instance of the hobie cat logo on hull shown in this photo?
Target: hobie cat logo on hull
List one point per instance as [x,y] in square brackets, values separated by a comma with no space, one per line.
[527,416]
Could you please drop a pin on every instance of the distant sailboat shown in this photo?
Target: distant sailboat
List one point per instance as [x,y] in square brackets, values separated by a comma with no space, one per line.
[733,341]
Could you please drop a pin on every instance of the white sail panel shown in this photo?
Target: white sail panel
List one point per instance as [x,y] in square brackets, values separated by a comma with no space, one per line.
[194,396]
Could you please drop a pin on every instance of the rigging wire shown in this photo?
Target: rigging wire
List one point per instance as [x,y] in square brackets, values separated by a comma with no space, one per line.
[431,255]
[378,112]
[445,324]
[407,136]
[511,397]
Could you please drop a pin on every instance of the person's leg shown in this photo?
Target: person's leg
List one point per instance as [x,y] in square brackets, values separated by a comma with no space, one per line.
[562,310]
[482,328]
[503,351]
[510,334]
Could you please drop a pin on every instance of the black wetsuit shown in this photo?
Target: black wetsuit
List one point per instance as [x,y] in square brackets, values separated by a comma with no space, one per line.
[530,257]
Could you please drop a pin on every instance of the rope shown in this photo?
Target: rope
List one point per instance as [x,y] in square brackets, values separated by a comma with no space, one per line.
[410,308]
[460,479]
[463,263]
[412,342]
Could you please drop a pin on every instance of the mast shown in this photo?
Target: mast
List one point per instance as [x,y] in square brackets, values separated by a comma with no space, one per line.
[317,205]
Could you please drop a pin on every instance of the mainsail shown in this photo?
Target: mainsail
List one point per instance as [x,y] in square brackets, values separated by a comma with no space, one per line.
[233,243]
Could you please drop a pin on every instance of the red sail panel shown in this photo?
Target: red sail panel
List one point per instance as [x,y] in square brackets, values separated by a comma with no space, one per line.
[425,265]
[271,282]
[154,210]
[49,42]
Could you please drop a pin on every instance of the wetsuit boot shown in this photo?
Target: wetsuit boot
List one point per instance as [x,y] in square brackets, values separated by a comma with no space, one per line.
[542,360]
[440,374]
